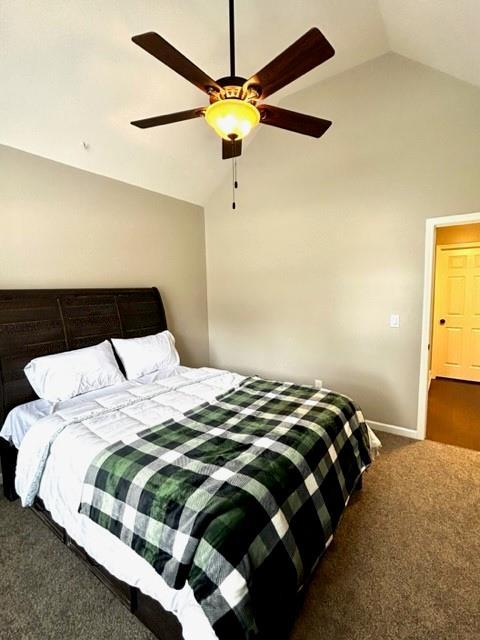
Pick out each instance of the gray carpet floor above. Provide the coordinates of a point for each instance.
(404, 565)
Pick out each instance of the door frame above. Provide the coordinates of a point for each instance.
(431, 225)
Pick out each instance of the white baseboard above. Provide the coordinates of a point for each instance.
(396, 431)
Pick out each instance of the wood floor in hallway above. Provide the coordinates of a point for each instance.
(454, 412)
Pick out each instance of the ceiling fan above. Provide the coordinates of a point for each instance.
(236, 105)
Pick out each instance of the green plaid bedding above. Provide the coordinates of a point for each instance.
(239, 498)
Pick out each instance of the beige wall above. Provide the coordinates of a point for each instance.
(328, 237)
(63, 227)
(458, 233)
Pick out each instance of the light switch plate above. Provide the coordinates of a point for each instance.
(318, 384)
(394, 321)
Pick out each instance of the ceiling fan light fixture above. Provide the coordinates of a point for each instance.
(232, 119)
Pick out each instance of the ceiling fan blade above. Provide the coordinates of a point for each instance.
(302, 56)
(231, 149)
(167, 119)
(293, 121)
(166, 53)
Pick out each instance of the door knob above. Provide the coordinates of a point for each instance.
(442, 320)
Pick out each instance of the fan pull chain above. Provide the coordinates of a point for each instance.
(234, 182)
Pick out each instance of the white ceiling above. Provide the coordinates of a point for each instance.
(444, 34)
(69, 72)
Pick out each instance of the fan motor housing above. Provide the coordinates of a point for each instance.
(234, 87)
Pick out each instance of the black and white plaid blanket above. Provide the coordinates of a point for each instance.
(239, 498)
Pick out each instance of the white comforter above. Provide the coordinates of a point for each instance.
(55, 454)
(57, 450)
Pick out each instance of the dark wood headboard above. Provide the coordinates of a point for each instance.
(40, 322)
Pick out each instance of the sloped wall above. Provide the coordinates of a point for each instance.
(64, 227)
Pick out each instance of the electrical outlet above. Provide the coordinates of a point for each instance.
(318, 384)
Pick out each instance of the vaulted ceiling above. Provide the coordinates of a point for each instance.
(69, 73)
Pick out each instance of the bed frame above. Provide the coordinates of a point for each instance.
(41, 322)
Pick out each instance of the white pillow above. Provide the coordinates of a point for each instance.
(146, 355)
(70, 373)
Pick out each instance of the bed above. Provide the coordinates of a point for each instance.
(34, 323)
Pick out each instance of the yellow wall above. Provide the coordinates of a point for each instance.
(63, 227)
(458, 234)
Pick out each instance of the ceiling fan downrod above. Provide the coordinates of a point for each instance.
(231, 11)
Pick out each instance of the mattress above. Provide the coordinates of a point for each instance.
(20, 419)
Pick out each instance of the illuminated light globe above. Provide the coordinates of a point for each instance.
(232, 119)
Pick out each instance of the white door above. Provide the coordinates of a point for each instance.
(456, 328)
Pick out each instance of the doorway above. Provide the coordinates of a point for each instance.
(453, 401)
